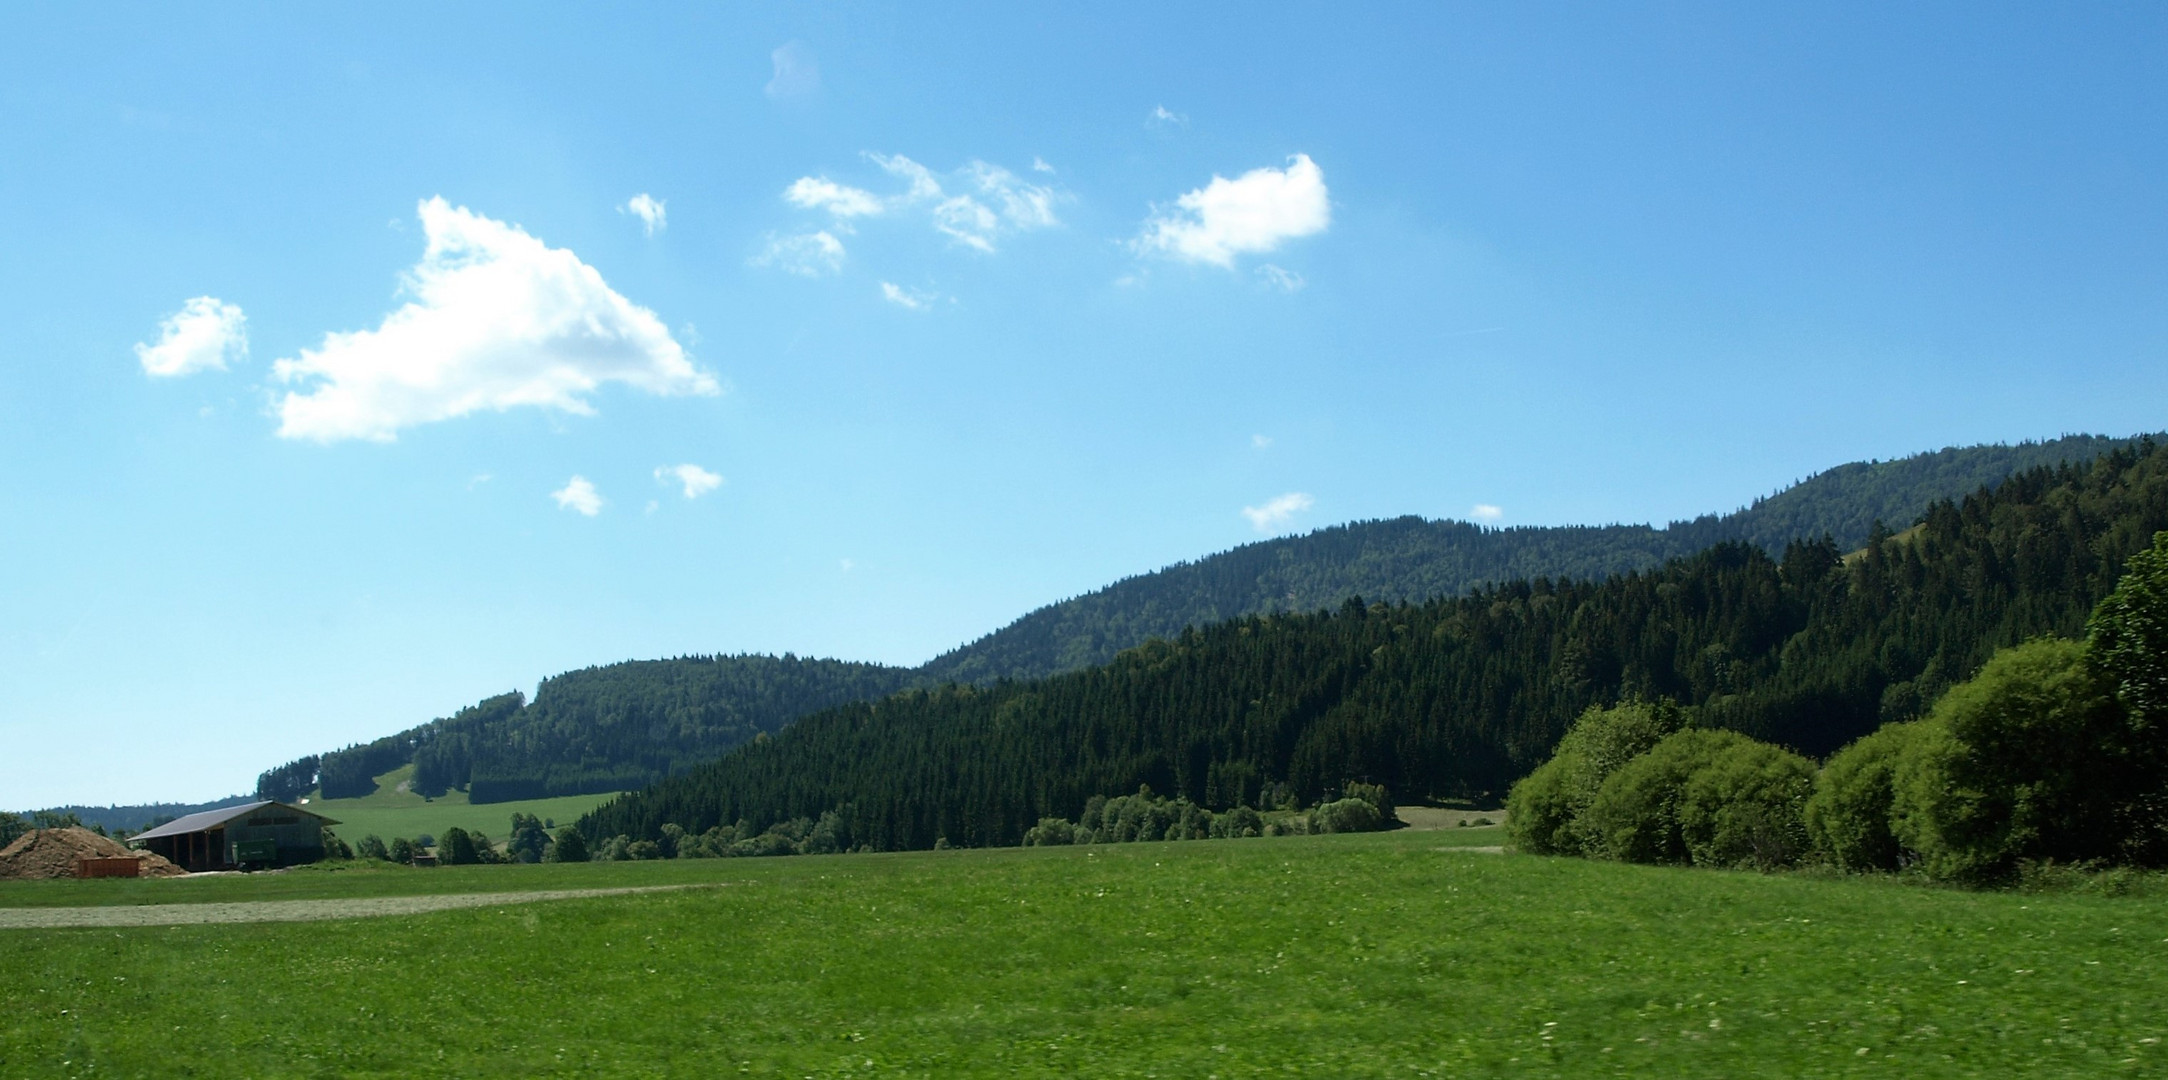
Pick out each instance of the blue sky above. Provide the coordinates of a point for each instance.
(352, 363)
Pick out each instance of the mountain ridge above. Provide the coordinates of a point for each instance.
(1396, 559)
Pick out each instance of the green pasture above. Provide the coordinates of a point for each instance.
(388, 811)
(1395, 954)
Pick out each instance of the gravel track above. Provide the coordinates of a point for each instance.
(255, 911)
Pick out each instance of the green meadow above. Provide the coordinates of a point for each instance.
(1412, 953)
(390, 811)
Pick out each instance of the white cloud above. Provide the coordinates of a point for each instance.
(649, 209)
(820, 193)
(1280, 278)
(1162, 117)
(796, 74)
(909, 298)
(1251, 214)
(976, 205)
(696, 480)
(806, 255)
(1260, 441)
(199, 337)
(1486, 512)
(923, 184)
(578, 496)
(1277, 511)
(496, 320)
(1038, 164)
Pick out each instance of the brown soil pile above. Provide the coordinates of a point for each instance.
(51, 853)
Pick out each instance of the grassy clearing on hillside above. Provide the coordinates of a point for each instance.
(1366, 955)
(388, 811)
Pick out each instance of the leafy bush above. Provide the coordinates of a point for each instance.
(1746, 807)
(2128, 635)
(401, 850)
(570, 846)
(372, 847)
(334, 847)
(1544, 809)
(1050, 832)
(2024, 761)
(1238, 823)
(456, 848)
(1375, 795)
(1711, 798)
(1348, 815)
(1848, 817)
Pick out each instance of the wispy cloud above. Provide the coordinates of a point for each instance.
(199, 337)
(811, 254)
(1260, 442)
(977, 206)
(695, 480)
(497, 320)
(650, 211)
(821, 193)
(1280, 278)
(1162, 118)
(1485, 512)
(1038, 164)
(1251, 214)
(578, 496)
(1277, 511)
(796, 72)
(907, 298)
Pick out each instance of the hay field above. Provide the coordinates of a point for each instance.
(389, 811)
(1397, 954)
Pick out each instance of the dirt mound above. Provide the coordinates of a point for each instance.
(51, 853)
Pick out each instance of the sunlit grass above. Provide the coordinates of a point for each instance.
(1377, 955)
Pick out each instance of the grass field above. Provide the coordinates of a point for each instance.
(389, 812)
(1391, 954)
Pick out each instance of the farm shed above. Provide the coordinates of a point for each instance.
(252, 834)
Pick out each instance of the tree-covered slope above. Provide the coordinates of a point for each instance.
(1455, 696)
(1415, 559)
(607, 728)
(624, 725)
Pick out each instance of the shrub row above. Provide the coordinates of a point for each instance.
(2055, 752)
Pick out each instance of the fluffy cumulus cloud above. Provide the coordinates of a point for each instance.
(199, 337)
(494, 320)
(1485, 512)
(1249, 215)
(1277, 511)
(976, 206)
(812, 254)
(579, 496)
(695, 480)
(649, 210)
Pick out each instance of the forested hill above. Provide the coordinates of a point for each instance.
(621, 726)
(1414, 559)
(1454, 696)
(606, 728)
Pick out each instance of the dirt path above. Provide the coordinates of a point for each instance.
(292, 910)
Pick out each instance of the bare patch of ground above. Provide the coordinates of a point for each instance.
(254, 911)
